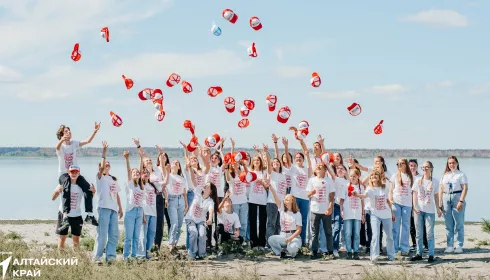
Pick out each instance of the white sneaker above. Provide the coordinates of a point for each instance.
(336, 253)
(459, 250)
(449, 250)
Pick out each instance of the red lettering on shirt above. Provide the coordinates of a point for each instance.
(404, 189)
(68, 160)
(287, 222)
(137, 198)
(197, 211)
(238, 187)
(288, 180)
(301, 181)
(228, 226)
(354, 202)
(282, 187)
(214, 178)
(73, 200)
(200, 180)
(321, 193)
(258, 187)
(177, 187)
(150, 197)
(380, 202)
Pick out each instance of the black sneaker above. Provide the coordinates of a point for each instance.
(91, 219)
(283, 255)
(416, 258)
(314, 255)
(64, 224)
(356, 256)
(368, 250)
(431, 259)
(349, 255)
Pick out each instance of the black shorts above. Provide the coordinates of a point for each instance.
(76, 224)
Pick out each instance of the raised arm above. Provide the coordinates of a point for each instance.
(63, 139)
(268, 159)
(141, 153)
(285, 142)
(227, 172)
(222, 204)
(91, 137)
(128, 167)
(206, 158)
(276, 147)
(232, 145)
(102, 161)
(307, 155)
(322, 143)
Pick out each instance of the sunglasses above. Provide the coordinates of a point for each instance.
(426, 167)
(400, 163)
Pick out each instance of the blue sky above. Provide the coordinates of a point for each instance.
(423, 67)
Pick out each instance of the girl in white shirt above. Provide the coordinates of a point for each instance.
(228, 222)
(321, 192)
(381, 212)
(352, 213)
(175, 200)
(203, 203)
(134, 210)
(150, 212)
(257, 202)
(286, 158)
(425, 198)
(453, 190)
(401, 198)
(238, 195)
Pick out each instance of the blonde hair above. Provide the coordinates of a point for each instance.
(406, 171)
(381, 172)
(376, 173)
(294, 206)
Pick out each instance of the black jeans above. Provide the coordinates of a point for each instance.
(252, 217)
(367, 233)
(413, 232)
(224, 236)
(65, 181)
(209, 229)
(161, 213)
(315, 230)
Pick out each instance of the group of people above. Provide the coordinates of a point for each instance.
(278, 203)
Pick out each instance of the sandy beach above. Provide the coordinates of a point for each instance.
(475, 261)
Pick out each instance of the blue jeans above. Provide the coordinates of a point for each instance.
(304, 209)
(388, 229)
(132, 226)
(107, 234)
(147, 237)
(402, 240)
(453, 218)
(242, 211)
(352, 228)
(429, 226)
(176, 207)
(197, 242)
(190, 198)
(337, 226)
(322, 238)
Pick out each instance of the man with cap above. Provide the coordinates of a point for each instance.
(66, 150)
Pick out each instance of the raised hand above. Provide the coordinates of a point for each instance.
(136, 141)
(284, 141)
(274, 138)
(265, 147)
(97, 126)
(232, 142)
(126, 154)
(183, 144)
(159, 149)
(320, 139)
(256, 148)
(104, 145)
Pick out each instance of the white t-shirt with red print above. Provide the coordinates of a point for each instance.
(229, 221)
(67, 155)
(299, 180)
(258, 195)
(134, 196)
(176, 185)
(76, 195)
(320, 201)
(352, 204)
(150, 201)
(199, 207)
(287, 174)
(156, 178)
(215, 176)
(379, 205)
(107, 190)
(425, 191)
(402, 194)
(238, 191)
(279, 183)
(198, 175)
(289, 220)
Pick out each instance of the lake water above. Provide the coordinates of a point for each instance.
(27, 184)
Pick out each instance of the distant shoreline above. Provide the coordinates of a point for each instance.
(178, 152)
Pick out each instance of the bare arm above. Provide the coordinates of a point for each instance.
(227, 173)
(286, 151)
(232, 145)
(392, 186)
(63, 139)
(91, 137)
(128, 167)
(276, 148)
(102, 162)
(308, 161)
(57, 192)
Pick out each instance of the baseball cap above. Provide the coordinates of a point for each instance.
(74, 168)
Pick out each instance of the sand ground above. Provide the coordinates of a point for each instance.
(475, 261)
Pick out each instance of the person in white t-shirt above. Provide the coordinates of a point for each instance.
(238, 195)
(228, 222)
(381, 212)
(66, 150)
(414, 166)
(352, 213)
(134, 209)
(321, 192)
(75, 215)
(147, 236)
(453, 189)
(257, 201)
(401, 198)
(204, 201)
(175, 201)
(425, 199)
(289, 240)
(286, 158)
(109, 209)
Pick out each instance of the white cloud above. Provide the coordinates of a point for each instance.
(389, 89)
(480, 89)
(304, 48)
(336, 95)
(8, 75)
(73, 80)
(35, 29)
(438, 18)
(293, 72)
(443, 84)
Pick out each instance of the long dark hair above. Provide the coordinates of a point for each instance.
(280, 164)
(219, 158)
(113, 177)
(383, 164)
(447, 164)
(213, 194)
(149, 182)
(167, 161)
